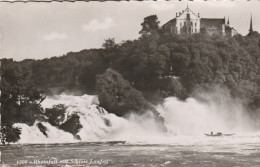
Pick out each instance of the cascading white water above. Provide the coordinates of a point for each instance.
(182, 119)
(32, 134)
(193, 117)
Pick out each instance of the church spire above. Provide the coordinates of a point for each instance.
(228, 21)
(251, 25)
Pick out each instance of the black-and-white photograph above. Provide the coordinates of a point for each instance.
(130, 83)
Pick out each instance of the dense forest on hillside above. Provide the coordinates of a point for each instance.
(132, 74)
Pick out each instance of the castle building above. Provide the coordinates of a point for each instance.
(188, 22)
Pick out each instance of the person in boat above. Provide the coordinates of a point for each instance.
(219, 133)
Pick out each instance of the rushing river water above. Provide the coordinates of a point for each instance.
(175, 140)
(124, 154)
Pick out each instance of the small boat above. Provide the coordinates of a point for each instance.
(213, 135)
(116, 142)
(219, 134)
(231, 134)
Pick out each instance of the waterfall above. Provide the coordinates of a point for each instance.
(182, 119)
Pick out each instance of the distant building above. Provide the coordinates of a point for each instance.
(251, 26)
(251, 31)
(188, 22)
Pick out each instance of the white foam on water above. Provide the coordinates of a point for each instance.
(32, 134)
(194, 117)
(185, 121)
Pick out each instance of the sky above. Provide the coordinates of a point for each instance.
(43, 30)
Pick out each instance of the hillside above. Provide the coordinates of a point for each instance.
(190, 62)
(133, 75)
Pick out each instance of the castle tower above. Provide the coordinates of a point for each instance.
(251, 25)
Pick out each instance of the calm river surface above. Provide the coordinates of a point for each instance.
(124, 154)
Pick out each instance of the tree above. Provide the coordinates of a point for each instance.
(149, 24)
(110, 44)
(253, 33)
(175, 88)
(110, 51)
(156, 65)
(9, 133)
(18, 95)
(20, 100)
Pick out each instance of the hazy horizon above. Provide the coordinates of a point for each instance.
(44, 30)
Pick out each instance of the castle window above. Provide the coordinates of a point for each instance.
(195, 24)
(184, 23)
(180, 24)
(191, 23)
(195, 30)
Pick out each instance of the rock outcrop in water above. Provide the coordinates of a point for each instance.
(42, 128)
(72, 124)
(58, 116)
(117, 95)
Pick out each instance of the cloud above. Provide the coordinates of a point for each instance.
(54, 36)
(95, 25)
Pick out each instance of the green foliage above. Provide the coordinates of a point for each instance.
(9, 133)
(256, 101)
(56, 114)
(72, 125)
(18, 94)
(109, 44)
(110, 53)
(29, 112)
(149, 24)
(172, 87)
(20, 99)
(117, 95)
